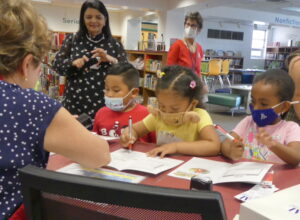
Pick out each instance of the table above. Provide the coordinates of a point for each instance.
(242, 72)
(284, 176)
(245, 91)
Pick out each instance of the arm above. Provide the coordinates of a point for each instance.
(63, 63)
(288, 153)
(173, 54)
(233, 149)
(66, 136)
(208, 145)
(294, 72)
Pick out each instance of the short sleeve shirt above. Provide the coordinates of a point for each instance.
(24, 117)
(186, 132)
(284, 132)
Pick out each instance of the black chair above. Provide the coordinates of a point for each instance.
(53, 195)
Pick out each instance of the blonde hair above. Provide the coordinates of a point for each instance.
(22, 31)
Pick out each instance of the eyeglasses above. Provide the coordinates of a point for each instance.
(194, 26)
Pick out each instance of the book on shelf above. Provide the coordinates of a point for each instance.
(222, 172)
(124, 159)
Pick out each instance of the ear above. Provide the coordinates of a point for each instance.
(193, 104)
(25, 66)
(285, 107)
(135, 92)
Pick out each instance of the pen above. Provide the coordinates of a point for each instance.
(130, 132)
(226, 133)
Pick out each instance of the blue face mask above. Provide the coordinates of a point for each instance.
(264, 117)
(117, 104)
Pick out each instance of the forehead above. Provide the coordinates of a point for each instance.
(113, 80)
(92, 11)
(264, 90)
(169, 97)
(191, 21)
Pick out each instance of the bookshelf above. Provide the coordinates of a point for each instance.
(148, 63)
(276, 56)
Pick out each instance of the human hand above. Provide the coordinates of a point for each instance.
(236, 149)
(163, 150)
(264, 138)
(104, 56)
(79, 63)
(125, 139)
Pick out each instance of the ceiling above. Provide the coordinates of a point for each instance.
(275, 6)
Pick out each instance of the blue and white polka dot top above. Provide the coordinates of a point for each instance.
(24, 117)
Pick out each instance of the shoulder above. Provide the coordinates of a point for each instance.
(202, 112)
(290, 125)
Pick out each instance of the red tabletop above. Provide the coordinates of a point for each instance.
(284, 176)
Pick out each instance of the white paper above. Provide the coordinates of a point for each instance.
(124, 159)
(102, 173)
(221, 172)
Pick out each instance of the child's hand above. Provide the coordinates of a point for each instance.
(264, 138)
(236, 149)
(125, 138)
(163, 150)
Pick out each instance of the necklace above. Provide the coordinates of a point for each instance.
(94, 41)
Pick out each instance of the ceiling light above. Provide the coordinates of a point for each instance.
(43, 1)
(292, 9)
(259, 23)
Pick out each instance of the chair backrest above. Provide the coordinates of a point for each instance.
(226, 66)
(214, 67)
(53, 195)
(204, 66)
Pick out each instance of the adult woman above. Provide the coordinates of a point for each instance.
(293, 63)
(187, 52)
(32, 124)
(85, 81)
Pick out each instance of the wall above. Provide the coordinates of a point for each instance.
(66, 19)
(283, 34)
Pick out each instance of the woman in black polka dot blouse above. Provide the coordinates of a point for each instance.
(85, 57)
(32, 124)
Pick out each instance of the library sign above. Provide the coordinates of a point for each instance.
(70, 21)
(287, 21)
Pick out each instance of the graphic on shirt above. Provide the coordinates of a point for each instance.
(165, 137)
(113, 132)
(255, 150)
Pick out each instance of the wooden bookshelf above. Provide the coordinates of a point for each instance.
(276, 56)
(152, 62)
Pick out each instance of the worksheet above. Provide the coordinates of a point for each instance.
(222, 172)
(124, 159)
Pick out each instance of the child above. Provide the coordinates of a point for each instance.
(266, 136)
(180, 126)
(121, 89)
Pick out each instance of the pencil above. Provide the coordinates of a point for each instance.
(130, 132)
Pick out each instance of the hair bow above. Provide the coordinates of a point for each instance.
(193, 84)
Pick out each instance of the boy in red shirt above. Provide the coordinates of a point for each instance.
(121, 89)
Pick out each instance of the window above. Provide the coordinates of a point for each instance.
(259, 38)
(224, 34)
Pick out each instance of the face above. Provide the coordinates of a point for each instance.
(171, 102)
(265, 96)
(192, 23)
(116, 88)
(94, 21)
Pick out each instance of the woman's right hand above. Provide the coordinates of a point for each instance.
(79, 63)
(125, 139)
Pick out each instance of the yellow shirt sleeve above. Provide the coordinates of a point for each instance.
(150, 122)
(205, 119)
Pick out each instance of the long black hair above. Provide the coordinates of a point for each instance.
(98, 5)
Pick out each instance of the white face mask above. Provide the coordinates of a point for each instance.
(190, 32)
(117, 104)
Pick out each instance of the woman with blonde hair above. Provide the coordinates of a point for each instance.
(32, 124)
